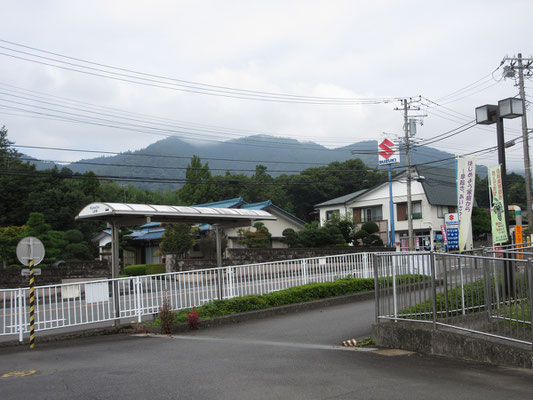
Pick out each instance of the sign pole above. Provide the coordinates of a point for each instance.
(391, 209)
(30, 252)
(32, 307)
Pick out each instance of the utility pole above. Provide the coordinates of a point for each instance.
(410, 238)
(527, 163)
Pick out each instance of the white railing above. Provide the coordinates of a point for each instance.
(83, 303)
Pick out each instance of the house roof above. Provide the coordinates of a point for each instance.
(268, 205)
(342, 199)
(154, 235)
(439, 186)
(230, 203)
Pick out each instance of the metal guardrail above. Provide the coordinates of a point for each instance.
(488, 295)
(84, 303)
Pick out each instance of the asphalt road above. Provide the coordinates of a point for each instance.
(291, 356)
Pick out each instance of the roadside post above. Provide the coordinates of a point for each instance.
(30, 252)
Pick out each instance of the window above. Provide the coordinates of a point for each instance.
(365, 214)
(401, 210)
(331, 213)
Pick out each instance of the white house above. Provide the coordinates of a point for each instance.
(284, 220)
(433, 195)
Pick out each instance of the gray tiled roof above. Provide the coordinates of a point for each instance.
(439, 185)
(343, 199)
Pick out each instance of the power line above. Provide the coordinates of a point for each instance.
(176, 84)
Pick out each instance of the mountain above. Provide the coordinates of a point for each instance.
(168, 158)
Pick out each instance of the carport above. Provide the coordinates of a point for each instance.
(119, 215)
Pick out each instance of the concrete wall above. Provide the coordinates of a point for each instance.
(253, 256)
(452, 343)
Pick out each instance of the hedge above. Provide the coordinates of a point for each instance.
(144, 269)
(298, 294)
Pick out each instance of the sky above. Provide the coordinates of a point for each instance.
(448, 52)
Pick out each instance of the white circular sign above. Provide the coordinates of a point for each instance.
(30, 248)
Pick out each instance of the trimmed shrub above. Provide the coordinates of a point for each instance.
(134, 270)
(152, 269)
(144, 269)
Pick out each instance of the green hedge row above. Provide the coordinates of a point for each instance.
(299, 294)
(144, 269)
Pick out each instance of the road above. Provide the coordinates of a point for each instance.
(292, 356)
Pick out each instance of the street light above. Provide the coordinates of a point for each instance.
(490, 114)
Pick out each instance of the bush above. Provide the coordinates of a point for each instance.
(166, 316)
(134, 270)
(144, 269)
(152, 269)
(299, 294)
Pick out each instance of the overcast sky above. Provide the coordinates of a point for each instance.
(334, 49)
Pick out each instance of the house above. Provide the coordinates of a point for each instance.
(144, 239)
(284, 220)
(433, 195)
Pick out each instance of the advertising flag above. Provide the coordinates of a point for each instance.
(497, 210)
(466, 179)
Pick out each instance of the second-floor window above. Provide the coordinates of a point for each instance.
(401, 211)
(365, 214)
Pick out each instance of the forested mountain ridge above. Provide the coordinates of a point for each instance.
(168, 158)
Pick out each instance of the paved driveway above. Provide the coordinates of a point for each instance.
(287, 357)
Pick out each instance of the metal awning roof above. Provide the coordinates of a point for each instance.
(125, 214)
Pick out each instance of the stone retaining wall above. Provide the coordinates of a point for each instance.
(12, 278)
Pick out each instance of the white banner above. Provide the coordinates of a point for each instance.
(466, 179)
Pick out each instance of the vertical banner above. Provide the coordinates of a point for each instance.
(466, 179)
(497, 210)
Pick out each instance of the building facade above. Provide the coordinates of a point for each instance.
(433, 196)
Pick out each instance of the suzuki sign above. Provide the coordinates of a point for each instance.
(388, 152)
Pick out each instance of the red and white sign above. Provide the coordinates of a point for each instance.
(388, 152)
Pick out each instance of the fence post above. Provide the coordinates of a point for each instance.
(229, 278)
(488, 287)
(434, 288)
(394, 290)
(20, 315)
(138, 293)
(530, 272)
(304, 271)
(376, 285)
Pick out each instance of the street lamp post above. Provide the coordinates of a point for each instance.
(491, 114)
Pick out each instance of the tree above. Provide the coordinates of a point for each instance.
(9, 238)
(290, 237)
(367, 235)
(314, 235)
(259, 239)
(481, 224)
(198, 187)
(177, 239)
(345, 225)
(52, 240)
